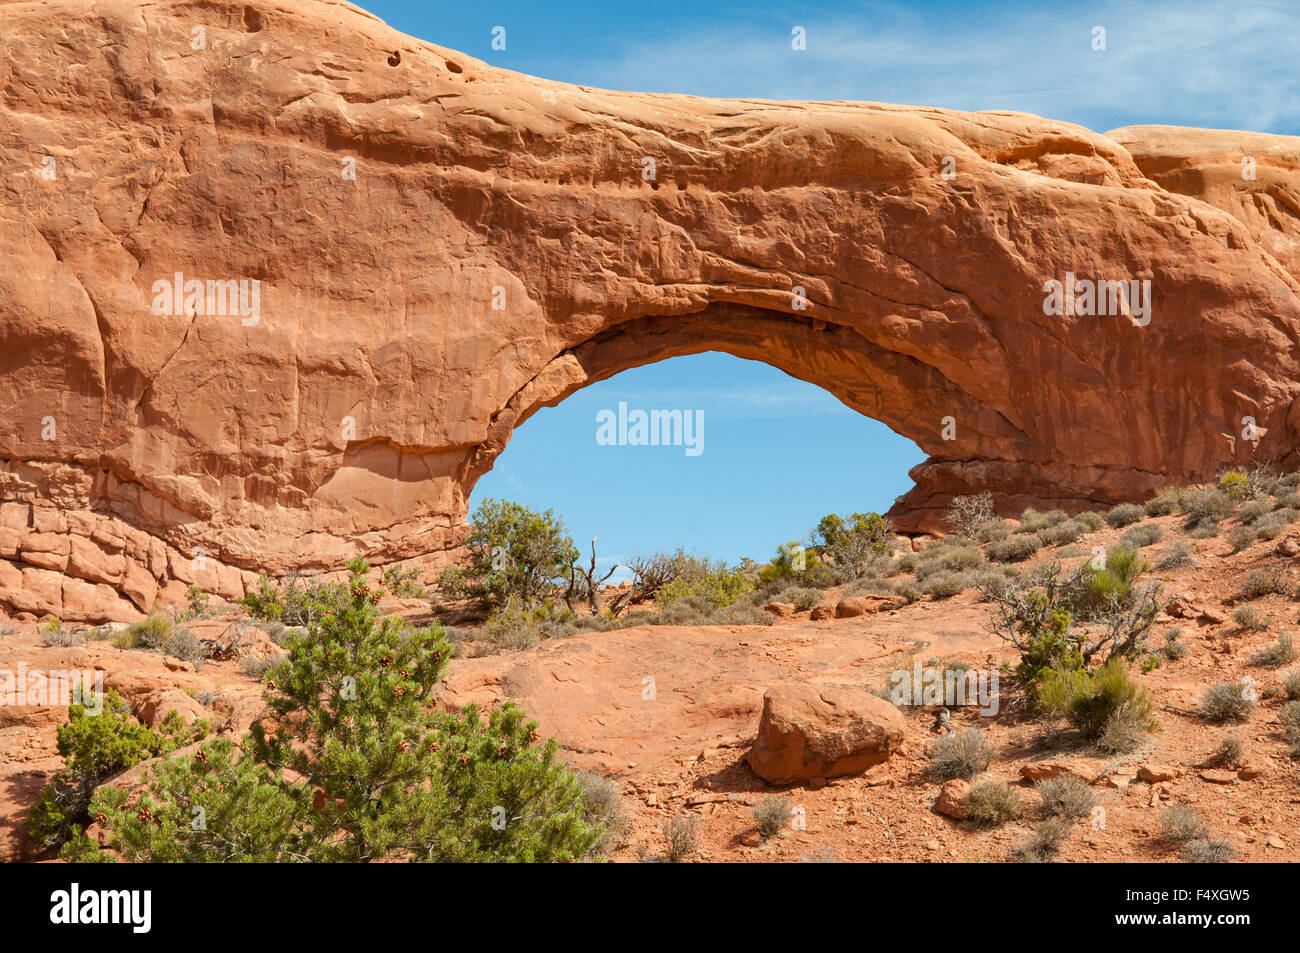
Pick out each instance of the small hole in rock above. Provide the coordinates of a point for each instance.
(395, 58)
(252, 20)
(455, 67)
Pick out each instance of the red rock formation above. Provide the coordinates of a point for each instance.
(377, 382)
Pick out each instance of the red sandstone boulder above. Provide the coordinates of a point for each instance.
(854, 606)
(952, 799)
(812, 731)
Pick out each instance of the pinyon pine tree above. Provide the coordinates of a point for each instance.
(359, 766)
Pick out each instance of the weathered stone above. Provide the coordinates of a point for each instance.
(952, 799)
(389, 377)
(854, 606)
(811, 731)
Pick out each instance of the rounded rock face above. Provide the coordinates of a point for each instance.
(283, 295)
(819, 731)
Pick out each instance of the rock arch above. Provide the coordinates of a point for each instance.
(384, 208)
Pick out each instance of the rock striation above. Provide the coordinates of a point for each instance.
(279, 282)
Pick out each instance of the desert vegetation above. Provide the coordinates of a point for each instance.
(1084, 613)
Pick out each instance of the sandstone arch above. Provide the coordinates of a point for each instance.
(197, 435)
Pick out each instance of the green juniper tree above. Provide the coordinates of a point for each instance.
(514, 553)
(359, 765)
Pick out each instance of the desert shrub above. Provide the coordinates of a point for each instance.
(793, 563)
(802, 598)
(1288, 500)
(1181, 823)
(404, 779)
(292, 601)
(1125, 731)
(1066, 796)
(515, 626)
(257, 667)
(870, 585)
(961, 754)
(991, 803)
(602, 807)
(995, 529)
(1013, 549)
(1251, 619)
(403, 581)
(1062, 533)
(772, 815)
(969, 514)
(1104, 700)
(945, 585)
(1251, 510)
(715, 583)
(1288, 717)
(1124, 514)
(1175, 557)
(856, 545)
(1227, 701)
(1035, 613)
(1208, 850)
(1138, 537)
(160, 633)
(1091, 520)
(1263, 582)
(1278, 654)
(198, 602)
(1043, 842)
(513, 552)
(739, 613)
(679, 835)
(1233, 484)
(1206, 529)
(909, 592)
(97, 742)
(54, 634)
(181, 643)
(1228, 753)
(991, 583)
(153, 630)
(1032, 521)
(1164, 503)
(947, 559)
(1204, 508)
(1291, 683)
(1097, 591)
(1240, 537)
(1174, 649)
(1272, 526)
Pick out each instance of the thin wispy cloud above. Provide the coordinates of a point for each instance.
(1219, 64)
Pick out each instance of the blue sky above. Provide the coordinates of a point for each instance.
(780, 453)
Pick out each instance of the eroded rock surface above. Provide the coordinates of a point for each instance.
(442, 248)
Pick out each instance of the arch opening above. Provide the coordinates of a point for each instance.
(752, 458)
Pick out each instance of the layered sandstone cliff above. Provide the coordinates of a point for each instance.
(441, 247)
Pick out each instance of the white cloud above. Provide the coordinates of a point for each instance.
(1222, 64)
